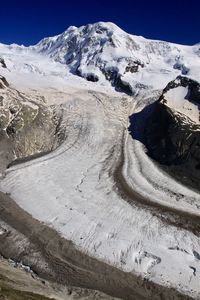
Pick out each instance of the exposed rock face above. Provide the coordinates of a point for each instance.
(3, 83)
(116, 80)
(27, 126)
(133, 66)
(173, 130)
(2, 63)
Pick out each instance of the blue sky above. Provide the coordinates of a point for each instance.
(26, 22)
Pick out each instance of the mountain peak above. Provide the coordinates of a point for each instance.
(98, 26)
(104, 52)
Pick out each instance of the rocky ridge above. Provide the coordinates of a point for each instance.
(27, 125)
(173, 130)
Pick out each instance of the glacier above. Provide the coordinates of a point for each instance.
(99, 188)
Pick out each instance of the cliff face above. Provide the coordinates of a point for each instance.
(27, 126)
(2, 63)
(173, 130)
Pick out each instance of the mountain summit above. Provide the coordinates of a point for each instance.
(104, 52)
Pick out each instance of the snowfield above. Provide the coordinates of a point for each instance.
(76, 189)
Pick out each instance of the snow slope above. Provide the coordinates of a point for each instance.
(100, 48)
(29, 70)
(175, 98)
(74, 189)
(103, 52)
(183, 98)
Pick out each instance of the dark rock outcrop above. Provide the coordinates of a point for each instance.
(2, 63)
(173, 139)
(3, 82)
(133, 66)
(112, 75)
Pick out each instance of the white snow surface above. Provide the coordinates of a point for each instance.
(99, 47)
(71, 189)
(28, 70)
(176, 99)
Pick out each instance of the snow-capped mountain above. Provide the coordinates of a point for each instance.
(102, 51)
(105, 54)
